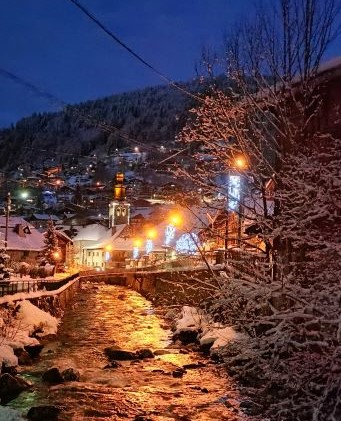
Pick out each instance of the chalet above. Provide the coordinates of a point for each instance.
(24, 242)
(40, 220)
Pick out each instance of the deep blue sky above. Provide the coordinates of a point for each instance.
(54, 46)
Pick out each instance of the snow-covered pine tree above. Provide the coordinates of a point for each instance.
(51, 250)
(5, 271)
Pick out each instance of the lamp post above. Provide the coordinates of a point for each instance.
(234, 199)
(151, 234)
(137, 243)
(240, 164)
(7, 210)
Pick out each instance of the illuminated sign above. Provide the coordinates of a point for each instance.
(135, 252)
(149, 246)
(234, 192)
(169, 234)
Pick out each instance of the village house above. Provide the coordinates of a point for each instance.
(24, 241)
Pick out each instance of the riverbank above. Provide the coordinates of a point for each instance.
(176, 383)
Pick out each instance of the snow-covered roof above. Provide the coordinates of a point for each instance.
(21, 234)
(104, 241)
(92, 232)
(193, 221)
(145, 212)
(45, 217)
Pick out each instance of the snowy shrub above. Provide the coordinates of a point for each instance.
(34, 272)
(23, 269)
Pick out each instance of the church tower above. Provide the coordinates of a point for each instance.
(119, 209)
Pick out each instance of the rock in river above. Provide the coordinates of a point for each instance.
(46, 413)
(116, 353)
(11, 386)
(53, 376)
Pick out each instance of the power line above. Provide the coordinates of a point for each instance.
(114, 37)
(55, 101)
(86, 117)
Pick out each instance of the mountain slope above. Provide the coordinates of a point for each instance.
(152, 116)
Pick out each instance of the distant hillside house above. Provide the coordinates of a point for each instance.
(40, 220)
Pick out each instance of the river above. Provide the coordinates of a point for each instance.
(102, 316)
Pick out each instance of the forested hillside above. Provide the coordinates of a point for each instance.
(152, 115)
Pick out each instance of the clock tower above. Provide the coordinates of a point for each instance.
(119, 209)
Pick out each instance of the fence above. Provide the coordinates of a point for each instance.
(32, 285)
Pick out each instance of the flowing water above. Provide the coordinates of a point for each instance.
(102, 316)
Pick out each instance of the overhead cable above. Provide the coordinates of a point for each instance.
(108, 128)
(114, 37)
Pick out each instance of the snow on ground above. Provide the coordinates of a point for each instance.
(31, 317)
(7, 356)
(17, 334)
(220, 336)
(8, 414)
(191, 319)
(216, 334)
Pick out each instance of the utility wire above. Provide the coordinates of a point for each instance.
(91, 16)
(108, 128)
(55, 101)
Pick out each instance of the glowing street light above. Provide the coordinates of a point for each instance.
(240, 162)
(56, 255)
(151, 234)
(24, 195)
(175, 220)
(137, 243)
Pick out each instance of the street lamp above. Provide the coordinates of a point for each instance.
(7, 211)
(24, 195)
(137, 243)
(240, 164)
(151, 234)
(175, 220)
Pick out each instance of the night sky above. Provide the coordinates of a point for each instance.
(51, 44)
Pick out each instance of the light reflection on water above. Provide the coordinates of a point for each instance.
(107, 315)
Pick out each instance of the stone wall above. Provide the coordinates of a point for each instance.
(56, 303)
(178, 287)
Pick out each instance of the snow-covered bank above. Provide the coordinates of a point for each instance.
(208, 333)
(8, 414)
(17, 323)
